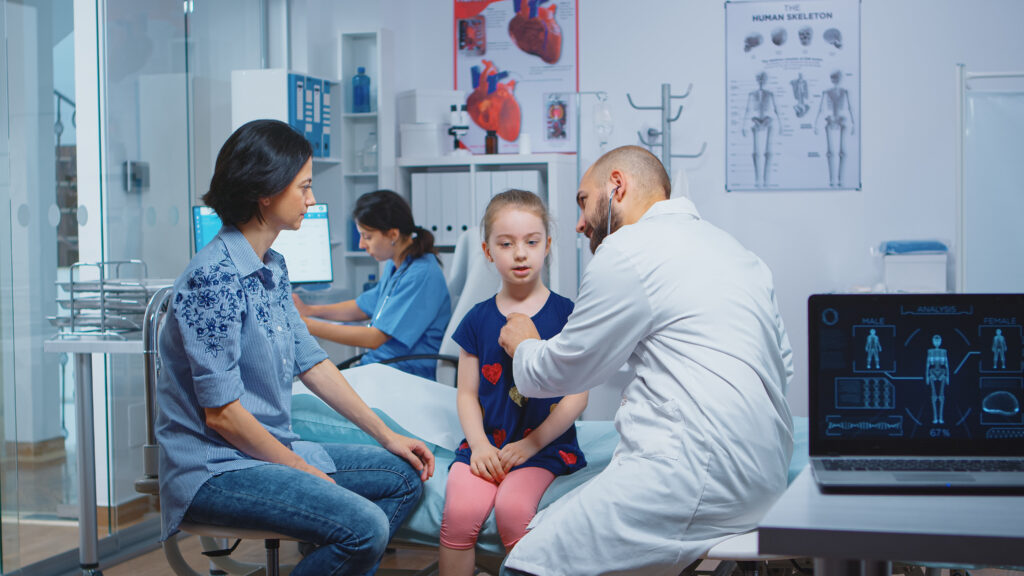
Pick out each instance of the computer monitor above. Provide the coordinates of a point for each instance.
(307, 251)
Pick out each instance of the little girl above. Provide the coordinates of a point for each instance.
(514, 446)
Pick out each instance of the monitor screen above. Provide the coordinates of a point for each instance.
(916, 373)
(307, 251)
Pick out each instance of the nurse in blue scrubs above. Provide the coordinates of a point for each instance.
(409, 308)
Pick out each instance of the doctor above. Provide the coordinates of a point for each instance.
(409, 308)
(706, 433)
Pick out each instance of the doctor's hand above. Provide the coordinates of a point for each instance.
(485, 462)
(515, 453)
(518, 327)
(414, 451)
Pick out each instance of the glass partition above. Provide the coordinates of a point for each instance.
(163, 80)
(36, 181)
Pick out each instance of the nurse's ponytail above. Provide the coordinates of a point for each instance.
(422, 243)
(384, 210)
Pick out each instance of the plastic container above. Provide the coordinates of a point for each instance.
(360, 91)
(424, 140)
(369, 153)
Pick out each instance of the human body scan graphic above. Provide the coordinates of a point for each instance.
(760, 112)
(800, 95)
(999, 350)
(873, 346)
(835, 104)
(936, 375)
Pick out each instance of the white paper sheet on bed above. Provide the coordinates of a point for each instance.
(414, 402)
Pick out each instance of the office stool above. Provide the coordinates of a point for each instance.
(221, 557)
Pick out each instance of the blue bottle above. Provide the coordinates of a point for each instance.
(371, 283)
(361, 91)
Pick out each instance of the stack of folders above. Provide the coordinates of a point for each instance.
(449, 203)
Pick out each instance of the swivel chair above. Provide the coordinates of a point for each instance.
(150, 484)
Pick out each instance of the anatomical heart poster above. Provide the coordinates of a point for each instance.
(516, 61)
(793, 95)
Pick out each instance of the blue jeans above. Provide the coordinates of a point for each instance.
(350, 522)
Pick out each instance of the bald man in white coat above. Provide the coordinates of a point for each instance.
(705, 431)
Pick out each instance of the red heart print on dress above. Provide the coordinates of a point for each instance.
(499, 437)
(492, 372)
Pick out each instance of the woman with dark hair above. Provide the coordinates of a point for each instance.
(409, 308)
(230, 347)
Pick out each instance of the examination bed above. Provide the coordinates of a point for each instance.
(426, 410)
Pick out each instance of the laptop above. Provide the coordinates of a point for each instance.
(916, 392)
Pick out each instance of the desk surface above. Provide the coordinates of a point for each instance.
(974, 530)
(88, 344)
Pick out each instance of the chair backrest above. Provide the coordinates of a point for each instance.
(471, 279)
(152, 322)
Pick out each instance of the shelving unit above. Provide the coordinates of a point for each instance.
(558, 183)
(373, 51)
(273, 87)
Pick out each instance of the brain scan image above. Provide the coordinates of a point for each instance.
(833, 37)
(1002, 403)
(752, 41)
(779, 36)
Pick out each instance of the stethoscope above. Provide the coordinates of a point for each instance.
(390, 288)
(610, 196)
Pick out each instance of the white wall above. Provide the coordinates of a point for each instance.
(813, 241)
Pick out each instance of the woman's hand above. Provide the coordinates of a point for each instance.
(301, 306)
(515, 453)
(485, 462)
(305, 467)
(414, 451)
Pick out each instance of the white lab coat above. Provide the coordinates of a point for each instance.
(706, 432)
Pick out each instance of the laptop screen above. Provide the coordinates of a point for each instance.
(306, 251)
(916, 374)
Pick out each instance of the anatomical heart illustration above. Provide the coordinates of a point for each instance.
(492, 104)
(535, 30)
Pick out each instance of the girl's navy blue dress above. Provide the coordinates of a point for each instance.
(508, 416)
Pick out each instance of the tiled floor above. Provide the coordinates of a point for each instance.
(155, 564)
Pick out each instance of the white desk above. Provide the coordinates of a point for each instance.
(83, 347)
(840, 529)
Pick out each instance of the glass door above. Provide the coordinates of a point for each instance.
(145, 194)
(37, 223)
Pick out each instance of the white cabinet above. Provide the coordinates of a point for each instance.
(310, 105)
(449, 194)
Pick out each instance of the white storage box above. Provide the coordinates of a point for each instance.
(915, 272)
(427, 106)
(423, 140)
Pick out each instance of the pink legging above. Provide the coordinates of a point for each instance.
(469, 498)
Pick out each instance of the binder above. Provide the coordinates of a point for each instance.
(499, 182)
(297, 102)
(449, 213)
(463, 204)
(529, 180)
(325, 119)
(481, 195)
(419, 199)
(314, 91)
(434, 200)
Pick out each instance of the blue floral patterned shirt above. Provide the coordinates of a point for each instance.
(233, 333)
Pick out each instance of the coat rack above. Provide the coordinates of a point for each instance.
(666, 126)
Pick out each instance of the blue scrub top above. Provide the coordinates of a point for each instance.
(411, 305)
